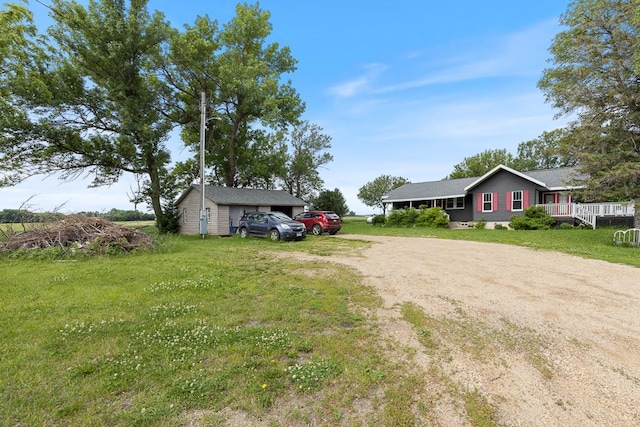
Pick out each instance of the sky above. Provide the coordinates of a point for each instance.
(406, 88)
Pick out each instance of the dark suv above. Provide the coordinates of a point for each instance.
(319, 222)
(276, 225)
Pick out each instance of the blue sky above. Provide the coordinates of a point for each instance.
(406, 88)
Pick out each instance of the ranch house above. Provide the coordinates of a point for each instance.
(504, 192)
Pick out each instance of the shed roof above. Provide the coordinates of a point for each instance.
(246, 196)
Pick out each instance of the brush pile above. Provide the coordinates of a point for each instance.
(78, 233)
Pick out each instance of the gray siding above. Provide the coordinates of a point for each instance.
(500, 184)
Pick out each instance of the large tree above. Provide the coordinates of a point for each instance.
(246, 97)
(330, 200)
(553, 149)
(594, 75)
(307, 153)
(482, 163)
(98, 115)
(372, 192)
(22, 58)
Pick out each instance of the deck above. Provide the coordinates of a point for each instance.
(590, 212)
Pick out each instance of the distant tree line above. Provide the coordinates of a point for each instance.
(23, 216)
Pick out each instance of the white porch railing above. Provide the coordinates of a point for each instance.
(589, 212)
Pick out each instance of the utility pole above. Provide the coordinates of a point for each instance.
(203, 123)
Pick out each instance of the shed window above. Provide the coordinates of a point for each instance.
(208, 215)
(184, 215)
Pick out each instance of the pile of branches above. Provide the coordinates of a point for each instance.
(78, 233)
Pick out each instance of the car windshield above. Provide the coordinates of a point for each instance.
(279, 216)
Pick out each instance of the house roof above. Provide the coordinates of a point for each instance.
(429, 190)
(246, 196)
(551, 179)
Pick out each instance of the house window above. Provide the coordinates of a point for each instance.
(516, 200)
(208, 215)
(184, 215)
(455, 203)
(487, 202)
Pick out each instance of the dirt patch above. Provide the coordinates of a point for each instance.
(561, 334)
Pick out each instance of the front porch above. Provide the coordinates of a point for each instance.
(589, 212)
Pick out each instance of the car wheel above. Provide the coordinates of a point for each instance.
(274, 234)
(244, 233)
(316, 230)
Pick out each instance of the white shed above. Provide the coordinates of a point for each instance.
(226, 205)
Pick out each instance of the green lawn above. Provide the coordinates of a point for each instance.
(201, 329)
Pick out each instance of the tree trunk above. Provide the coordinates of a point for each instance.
(636, 216)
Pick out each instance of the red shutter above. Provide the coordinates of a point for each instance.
(495, 206)
(507, 201)
(479, 207)
(525, 199)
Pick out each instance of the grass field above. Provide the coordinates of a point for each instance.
(201, 330)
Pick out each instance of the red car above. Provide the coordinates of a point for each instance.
(318, 222)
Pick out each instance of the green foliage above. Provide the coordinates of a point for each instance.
(246, 101)
(480, 224)
(423, 217)
(371, 193)
(379, 219)
(22, 216)
(535, 218)
(169, 223)
(307, 153)
(329, 200)
(481, 163)
(593, 76)
(550, 150)
(500, 227)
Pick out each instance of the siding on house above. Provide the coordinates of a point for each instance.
(499, 183)
(500, 186)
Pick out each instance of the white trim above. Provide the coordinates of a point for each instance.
(453, 196)
(487, 201)
(521, 200)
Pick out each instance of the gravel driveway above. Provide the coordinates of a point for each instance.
(582, 318)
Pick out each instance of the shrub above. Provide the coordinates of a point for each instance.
(566, 226)
(480, 224)
(423, 217)
(535, 218)
(433, 218)
(395, 218)
(379, 219)
(500, 227)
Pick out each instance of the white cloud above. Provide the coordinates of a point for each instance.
(359, 84)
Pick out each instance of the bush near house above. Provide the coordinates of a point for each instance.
(422, 217)
(379, 220)
(535, 218)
